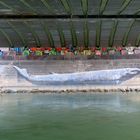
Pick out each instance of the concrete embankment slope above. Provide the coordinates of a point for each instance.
(10, 81)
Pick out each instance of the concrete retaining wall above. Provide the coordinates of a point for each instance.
(10, 78)
(61, 66)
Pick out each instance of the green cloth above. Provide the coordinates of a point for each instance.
(38, 53)
(52, 52)
(26, 53)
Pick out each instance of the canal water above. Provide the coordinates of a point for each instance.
(70, 117)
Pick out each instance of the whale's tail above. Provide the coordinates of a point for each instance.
(22, 72)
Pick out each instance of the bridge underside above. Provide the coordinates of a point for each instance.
(100, 23)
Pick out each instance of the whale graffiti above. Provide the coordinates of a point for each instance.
(98, 77)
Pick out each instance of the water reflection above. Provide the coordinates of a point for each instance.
(113, 102)
(61, 117)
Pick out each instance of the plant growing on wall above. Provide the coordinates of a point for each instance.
(50, 9)
(35, 36)
(98, 32)
(86, 34)
(124, 5)
(125, 38)
(103, 5)
(29, 6)
(73, 35)
(49, 35)
(84, 4)
(61, 36)
(137, 43)
(9, 7)
(11, 44)
(24, 42)
(66, 5)
(112, 33)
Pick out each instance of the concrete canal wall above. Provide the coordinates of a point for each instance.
(10, 79)
(62, 66)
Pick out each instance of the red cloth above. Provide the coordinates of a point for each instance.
(119, 48)
(42, 49)
(104, 49)
(124, 52)
(48, 48)
(59, 49)
(67, 49)
(98, 52)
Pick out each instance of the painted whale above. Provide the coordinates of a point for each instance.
(100, 77)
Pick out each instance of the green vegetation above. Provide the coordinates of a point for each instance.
(98, 32)
(61, 36)
(73, 35)
(86, 34)
(112, 33)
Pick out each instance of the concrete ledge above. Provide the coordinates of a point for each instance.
(69, 89)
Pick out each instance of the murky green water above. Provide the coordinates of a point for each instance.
(70, 117)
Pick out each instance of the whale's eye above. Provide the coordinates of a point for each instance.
(133, 72)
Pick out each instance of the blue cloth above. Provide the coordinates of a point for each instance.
(18, 50)
(1, 54)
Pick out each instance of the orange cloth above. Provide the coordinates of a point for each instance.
(33, 49)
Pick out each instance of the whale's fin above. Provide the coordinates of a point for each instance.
(22, 72)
